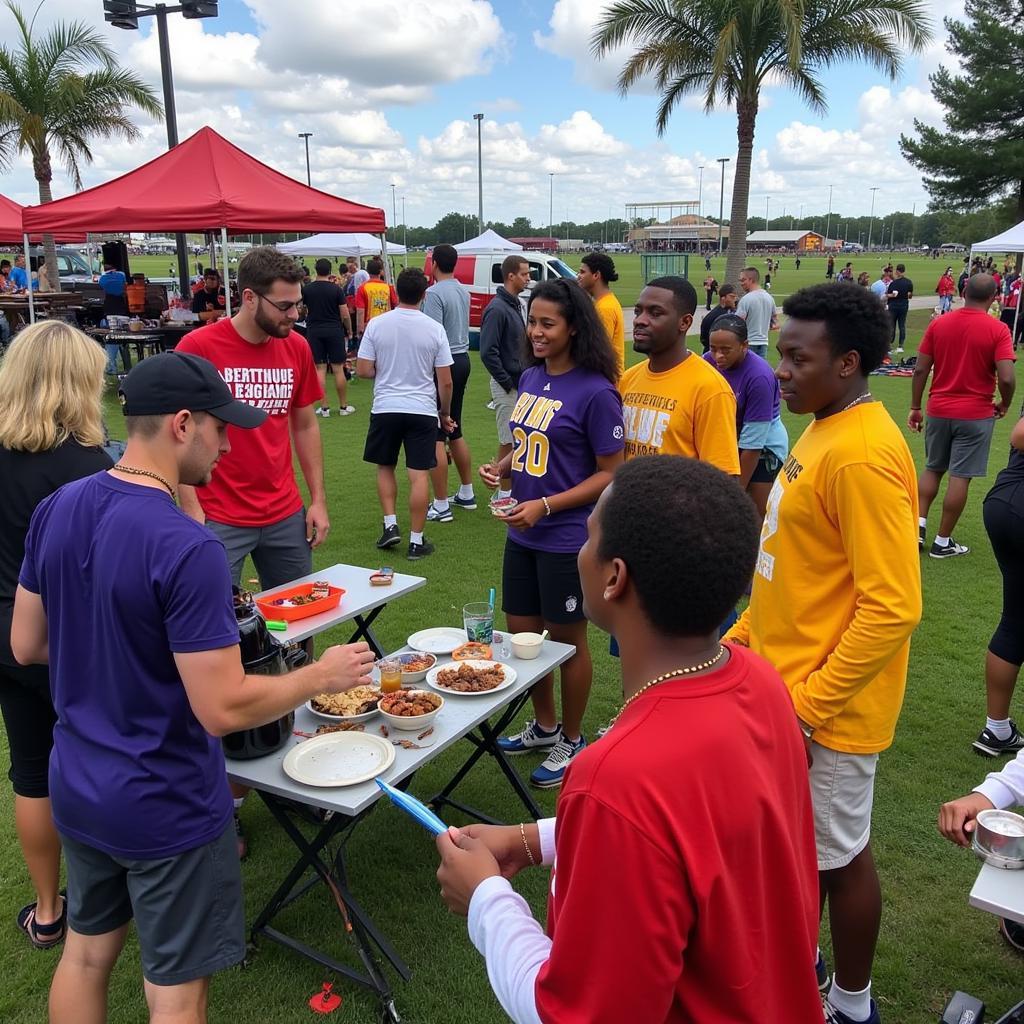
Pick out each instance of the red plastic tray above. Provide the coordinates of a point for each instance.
(303, 611)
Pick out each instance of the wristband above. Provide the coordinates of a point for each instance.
(915, 408)
(547, 507)
(529, 852)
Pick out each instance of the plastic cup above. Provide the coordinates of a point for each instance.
(390, 670)
(478, 618)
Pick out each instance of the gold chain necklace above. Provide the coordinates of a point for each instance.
(121, 468)
(860, 398)
(671, 675)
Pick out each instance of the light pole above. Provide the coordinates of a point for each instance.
(305, 136)
(405, 229)
(913, 220)
(723, 160)
(394, 208)
(766, 198)
(479, 118)
(125, 15)
(828, 219)
(871, 221)
(551, 203)
(700, 191)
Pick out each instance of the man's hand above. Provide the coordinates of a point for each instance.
(448, 425)
(999, 410)
(528, 514)
(489, 474)
(346, 666)
(505, 843)
(465, 863)
(956, 819)
(915, 420)
(318, 525)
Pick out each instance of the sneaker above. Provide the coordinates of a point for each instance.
(435, 515)
(390, 537)
(469, 504)
(991, 745)
(347, 411)
(899, 351)
(323, 412)
(821, 971)
(922, 536)
(533, 737)
(1013, 933)
(490, 404)
(834, 1016)
(552, 770)
(417, 551)
(951, 550)
(240, 841)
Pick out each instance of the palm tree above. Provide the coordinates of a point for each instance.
(727, 50)
(57, 92)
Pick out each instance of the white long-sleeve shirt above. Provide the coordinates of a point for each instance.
(1005, 788)
(513, 943)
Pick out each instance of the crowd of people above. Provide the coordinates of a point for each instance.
(644, 499)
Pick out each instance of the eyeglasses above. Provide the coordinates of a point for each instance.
(281, 307)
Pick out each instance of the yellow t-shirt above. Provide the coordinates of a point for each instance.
(688, 410)
(609, 311)
(837, 590)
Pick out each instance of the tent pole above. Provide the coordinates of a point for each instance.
(389, 274)
(227, 272)
(28, 270)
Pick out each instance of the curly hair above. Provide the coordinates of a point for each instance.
(688, 535)
(855, 321)
(589, 345)
(601, 263)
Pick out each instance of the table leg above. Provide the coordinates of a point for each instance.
(126, 356)
(487, 743)
(364, 632)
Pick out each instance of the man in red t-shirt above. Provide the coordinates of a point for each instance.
(970, 352)
(686, 881)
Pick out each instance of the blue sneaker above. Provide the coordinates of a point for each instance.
(467, 503)
(533, 737)
(821, 970)
(552, 771)
(834, 1016)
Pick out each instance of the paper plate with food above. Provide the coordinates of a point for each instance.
(471, 678)
(355, 705)
(474, 650)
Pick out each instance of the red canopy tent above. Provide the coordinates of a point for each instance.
(10, 225)
(204, 184)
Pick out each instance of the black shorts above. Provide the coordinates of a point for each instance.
(327, 345)
(391, 431)
(767, 468)
(544, 583)
(460, 378)
(29, 719)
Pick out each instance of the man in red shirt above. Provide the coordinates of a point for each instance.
(970, 352)
(687, 893)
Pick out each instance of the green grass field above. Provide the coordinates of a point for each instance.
(932, 942)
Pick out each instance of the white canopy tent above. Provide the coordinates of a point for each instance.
(1011, 240)
(347, 244)
(489, 241)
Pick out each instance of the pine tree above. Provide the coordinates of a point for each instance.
(978, 157)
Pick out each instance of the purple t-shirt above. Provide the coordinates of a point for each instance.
(560, 425)
(756, 389)
(127, 579)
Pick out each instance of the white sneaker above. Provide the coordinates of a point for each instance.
(899, 351)
(347, 411)
(490, 405)
(323, 412)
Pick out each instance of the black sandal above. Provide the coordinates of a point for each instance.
(43, 936)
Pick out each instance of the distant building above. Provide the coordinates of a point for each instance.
(791, 241)
(686, 233)
(536, 243)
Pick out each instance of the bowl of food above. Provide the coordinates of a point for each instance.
(415, 666)
(410, 709)
(355, 705)
(999, 839)
(527, 645)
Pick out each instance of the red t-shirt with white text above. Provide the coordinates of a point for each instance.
(965, 346)
(254, 484)
(686, 877)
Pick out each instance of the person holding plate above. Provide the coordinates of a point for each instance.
(568, 439)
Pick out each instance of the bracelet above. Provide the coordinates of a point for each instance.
(547, 507)
(529, 852)
(915, 408)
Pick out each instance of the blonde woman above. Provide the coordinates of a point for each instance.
(51, 429)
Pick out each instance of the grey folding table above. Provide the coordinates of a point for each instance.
(464, 716)
(1000, 892)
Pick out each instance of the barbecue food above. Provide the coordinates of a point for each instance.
(470, 678)
(357, 701)
(409, 703)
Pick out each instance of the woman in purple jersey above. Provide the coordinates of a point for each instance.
(567, 434)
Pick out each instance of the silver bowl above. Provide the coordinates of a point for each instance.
(999, 839)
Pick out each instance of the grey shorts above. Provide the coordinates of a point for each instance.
(842, 791)
(504, 403)
(961, 446)
(279, 552)
(188, 909)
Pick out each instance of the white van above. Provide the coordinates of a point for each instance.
(480, 274)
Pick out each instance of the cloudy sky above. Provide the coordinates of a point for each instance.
(389, 90)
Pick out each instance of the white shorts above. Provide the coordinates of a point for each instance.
(842, 791)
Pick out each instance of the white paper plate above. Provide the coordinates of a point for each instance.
(510, 678)
(438, 640)
(339, 718)
(339, 759)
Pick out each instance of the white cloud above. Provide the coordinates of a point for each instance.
(395, 43)
(579, 135)
(884, 115)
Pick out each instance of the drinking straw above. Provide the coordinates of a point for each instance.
(490, 599)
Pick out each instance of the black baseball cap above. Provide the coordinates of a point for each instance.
(171, 381)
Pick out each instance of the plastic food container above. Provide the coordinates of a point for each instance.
(527, 645)
(292, 613)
